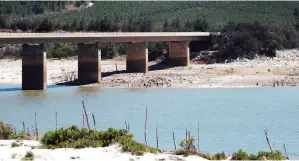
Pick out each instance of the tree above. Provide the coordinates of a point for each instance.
(45, 26)
(296, 15)
(3, 22)
(82, 25)
(176, 25)
(200, 25)
(74, 25)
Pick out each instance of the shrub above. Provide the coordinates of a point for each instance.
(275, 155)
(240, 155)
(217, 156)
(61, 50)
(220, 156)
(28, 156)
(6, 130)
(74, 137)
(188, 147)
(15, 144)
(18, 136)
(13, 52)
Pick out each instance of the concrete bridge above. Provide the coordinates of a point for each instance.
(34, 72)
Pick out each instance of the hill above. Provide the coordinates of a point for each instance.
(249, 28)
(217, 14)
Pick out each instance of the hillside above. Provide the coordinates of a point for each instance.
(217, 14)
(248, 28)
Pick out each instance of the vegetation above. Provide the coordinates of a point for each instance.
(6, 131)
(126, 14)
(242, 155)
(29, 156)
(74, 137)
(249, 28)
(15, 144)
(188, 148)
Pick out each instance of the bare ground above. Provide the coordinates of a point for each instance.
(280, 71)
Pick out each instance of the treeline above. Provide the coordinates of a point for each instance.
(217, 14)
(25, 8)
(247, 40)
(106, 25)
(240, 37)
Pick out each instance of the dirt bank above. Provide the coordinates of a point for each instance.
(282, 71)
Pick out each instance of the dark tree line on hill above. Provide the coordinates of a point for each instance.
(238, 39)
(25, 8)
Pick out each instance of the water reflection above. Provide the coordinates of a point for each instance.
(88, 90)
(19, 88)
(10, 89)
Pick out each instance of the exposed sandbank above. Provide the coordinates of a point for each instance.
(282, 70)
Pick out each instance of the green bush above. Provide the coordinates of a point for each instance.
(6, 131)
(220, 156)
(74, 137)
(275, 155)
(15, 144)
(240, 155)
(188, 147)
(62, 50)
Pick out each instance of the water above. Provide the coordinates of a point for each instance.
(229, 119)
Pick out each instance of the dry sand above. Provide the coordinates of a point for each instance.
(282, 70)
(110, 153)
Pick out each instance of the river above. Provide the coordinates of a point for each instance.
(229, 118)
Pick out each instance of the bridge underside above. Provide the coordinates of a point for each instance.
(34, 73)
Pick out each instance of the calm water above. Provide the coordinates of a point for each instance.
(229, 119)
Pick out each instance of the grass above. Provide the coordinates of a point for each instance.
(74, 137)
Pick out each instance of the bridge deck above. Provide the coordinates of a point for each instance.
(81, 37)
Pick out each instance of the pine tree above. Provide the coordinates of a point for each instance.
(3, 22)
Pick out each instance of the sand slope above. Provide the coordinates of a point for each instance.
(111, 153)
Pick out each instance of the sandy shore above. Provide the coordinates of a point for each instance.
(110, 153)
(282, 70)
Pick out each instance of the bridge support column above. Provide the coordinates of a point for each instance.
(137, 57)
(34, 68)
(89, 63)
(178, 53)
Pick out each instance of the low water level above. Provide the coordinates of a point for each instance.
(229, 119)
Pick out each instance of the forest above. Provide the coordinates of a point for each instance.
(248, 28)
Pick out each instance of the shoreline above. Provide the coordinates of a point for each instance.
(282, 70)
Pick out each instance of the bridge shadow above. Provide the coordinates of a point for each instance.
(160, 66)
(107, 74)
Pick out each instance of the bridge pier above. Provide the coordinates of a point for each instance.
(137, 57)
(89, 63)
(34, 68)
(178, 53)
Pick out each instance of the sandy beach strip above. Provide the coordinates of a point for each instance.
(110, 153)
